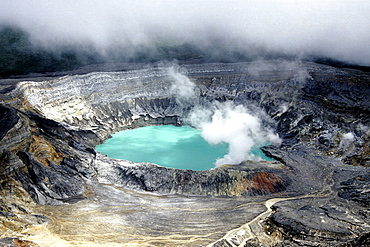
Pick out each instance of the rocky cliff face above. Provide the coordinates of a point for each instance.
(314, 193)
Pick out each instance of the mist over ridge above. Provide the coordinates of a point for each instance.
(214, 30)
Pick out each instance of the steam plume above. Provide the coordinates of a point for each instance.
(182, 86)
(223, 122)
(232, 124)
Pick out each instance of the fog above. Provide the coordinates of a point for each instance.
(334, 29)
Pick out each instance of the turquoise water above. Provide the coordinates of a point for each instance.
(165, 145)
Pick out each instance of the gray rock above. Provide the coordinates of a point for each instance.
(49, 128)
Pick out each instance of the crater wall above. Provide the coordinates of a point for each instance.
(49, 129)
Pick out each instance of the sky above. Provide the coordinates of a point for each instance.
(335, 29)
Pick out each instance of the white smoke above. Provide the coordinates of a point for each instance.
(181, 86)
(347, 140)
(223, 122)
(232, 124)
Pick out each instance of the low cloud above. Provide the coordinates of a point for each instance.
(334, 29)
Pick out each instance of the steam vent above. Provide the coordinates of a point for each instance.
(57, 190)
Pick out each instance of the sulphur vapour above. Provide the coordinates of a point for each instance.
(182, 86)
(233, 124)
(222, 122)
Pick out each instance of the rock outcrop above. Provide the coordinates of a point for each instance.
(316, 191)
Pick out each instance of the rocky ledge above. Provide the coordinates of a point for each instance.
(57, 190)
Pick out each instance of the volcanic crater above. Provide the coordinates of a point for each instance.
(57, 189)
